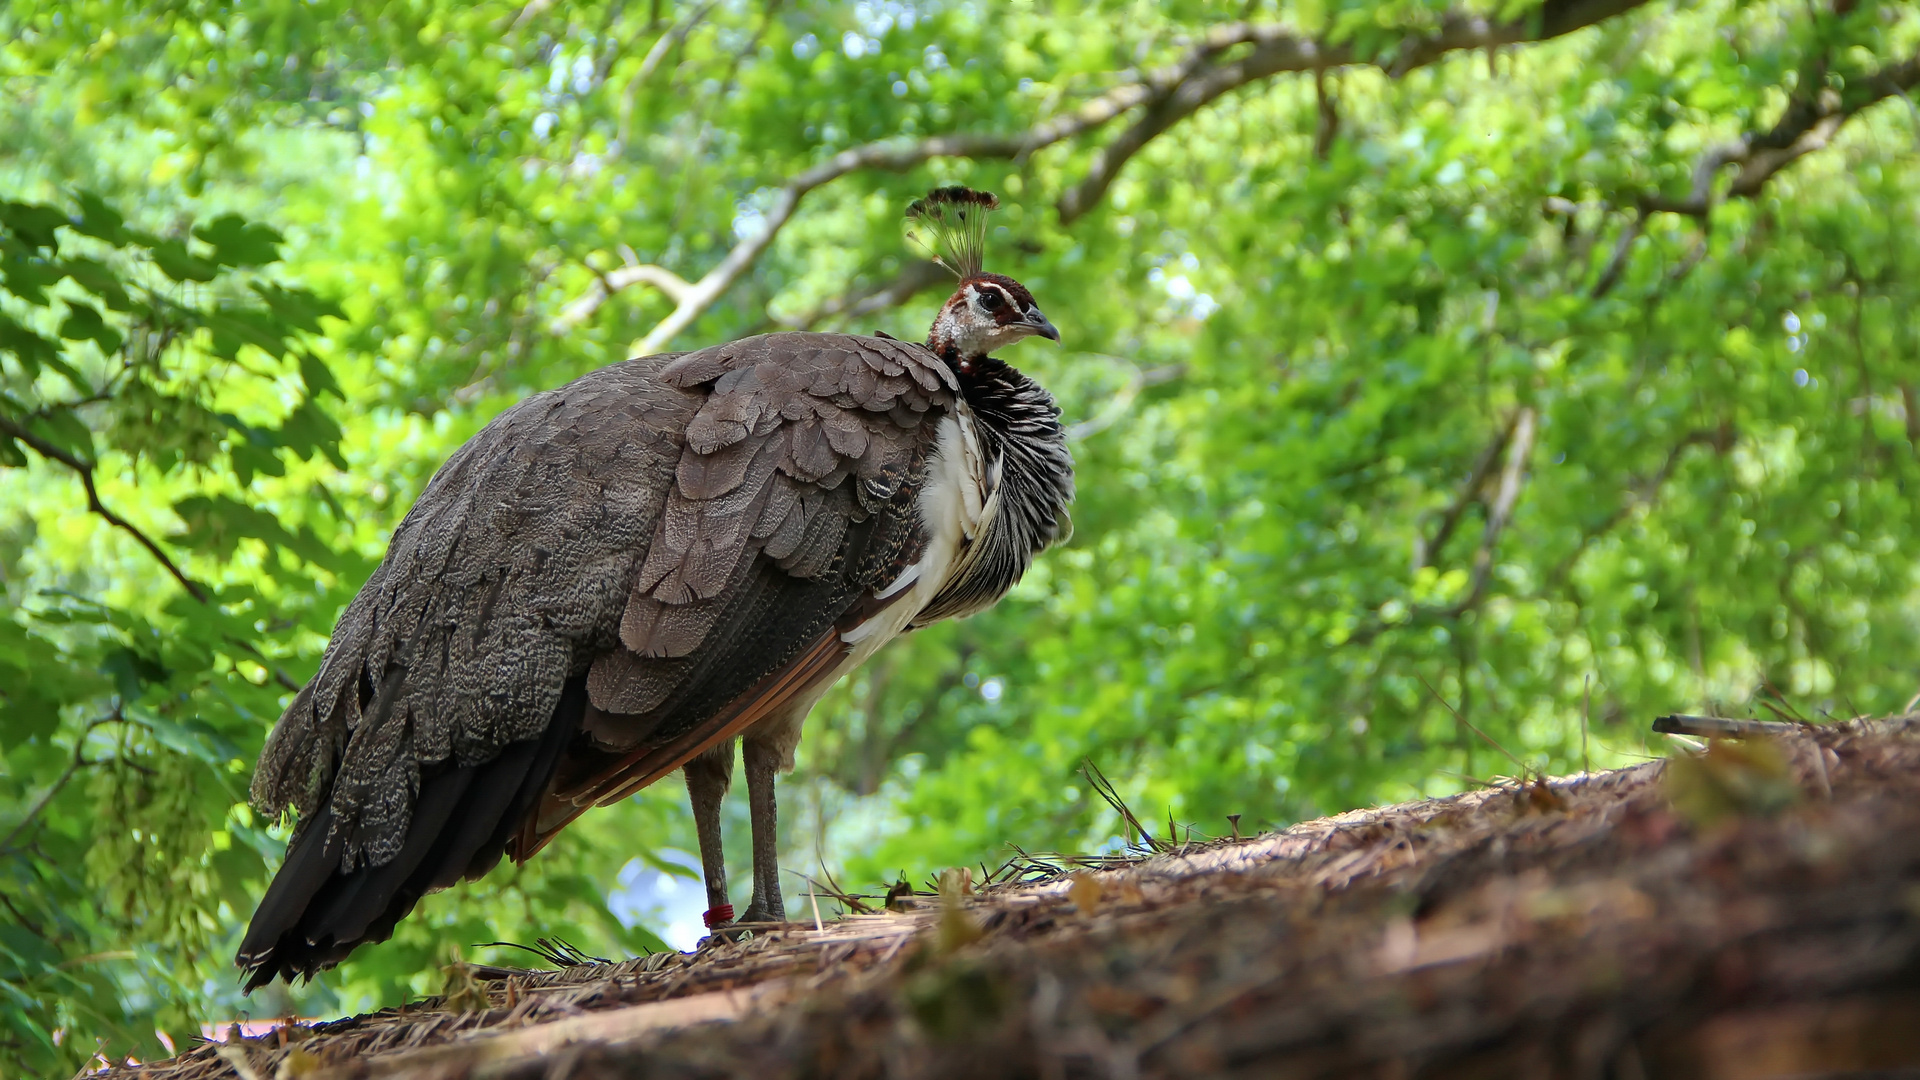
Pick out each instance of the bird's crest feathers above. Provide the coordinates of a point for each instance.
(955, 223)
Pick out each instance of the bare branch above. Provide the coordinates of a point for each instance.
(531, 11)
(1808, 124)
(666, 43)
(915, 276)
(1139, 379)
(85, 471)
(1512, 478)
(1169, 94)
(606, 285)
(1216, 66)
(1326, 126)
(194, 588)
(1424, 549)
(1617, 262)
(1279, 49)
(1642, 493)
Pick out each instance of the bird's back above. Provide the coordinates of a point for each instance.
(607, 579)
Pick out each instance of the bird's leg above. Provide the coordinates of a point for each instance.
(707, 779)
(764, 758)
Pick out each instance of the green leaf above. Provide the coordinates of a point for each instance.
(32, 222)
(131, 671)
(61, 427)
(95, 277)
(26, 712)
(238, 243)
(319, 378)
(192, 737)
(216, 524)
(309, 430)
(29, 348)
(173, 259)
(29, 277)
(98, 220)
(297, 307)
(84, 323)
(233, 327)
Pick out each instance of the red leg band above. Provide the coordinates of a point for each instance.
(718, 916)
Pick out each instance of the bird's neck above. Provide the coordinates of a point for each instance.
(1019, 427)
(958, 341)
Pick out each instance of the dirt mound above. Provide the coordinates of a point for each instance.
(1754, 911)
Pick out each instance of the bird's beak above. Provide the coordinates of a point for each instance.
(1041, 326)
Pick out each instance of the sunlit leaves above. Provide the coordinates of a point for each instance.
(1300, 328)
(127, 715)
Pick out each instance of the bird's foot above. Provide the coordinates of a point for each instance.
(756, 913)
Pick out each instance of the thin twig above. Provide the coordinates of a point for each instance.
(74, 765)
(1468, 724)
(914, 276)
(1586, 707)
(1425, 549)
(1519, 450)
(1617, 262)
(85, 471)
(605, 285)
(1117, 406)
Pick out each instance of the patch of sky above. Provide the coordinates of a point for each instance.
(669, 904)
(750, 215)
(1179, 287)
(857, 46)
(878, 18)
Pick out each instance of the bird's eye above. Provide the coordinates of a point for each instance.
(991, 301)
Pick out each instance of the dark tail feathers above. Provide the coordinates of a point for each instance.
(313, 915)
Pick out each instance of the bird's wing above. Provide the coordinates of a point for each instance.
(792, 510)
(679, 529)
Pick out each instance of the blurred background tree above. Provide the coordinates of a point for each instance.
(1538, 367)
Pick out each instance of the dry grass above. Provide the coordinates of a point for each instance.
(1752, 913)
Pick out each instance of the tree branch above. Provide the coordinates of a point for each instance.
(85, 470)
(1809, 123)
(1617, 262)
(1278, 49)
(1512, 478)
(1138, 379)
(606, 285)
(916, 275)
(1643, 493)
(1423, 549)
(73, 766)
(1167, 95)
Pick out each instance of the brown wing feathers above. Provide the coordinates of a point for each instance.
(761, 548)
(653, 556)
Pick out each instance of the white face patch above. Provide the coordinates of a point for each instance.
(972, 322)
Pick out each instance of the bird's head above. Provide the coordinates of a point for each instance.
(987, 311)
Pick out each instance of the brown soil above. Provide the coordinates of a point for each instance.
(1754, 912)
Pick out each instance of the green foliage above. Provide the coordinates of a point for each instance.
(1410, 390)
